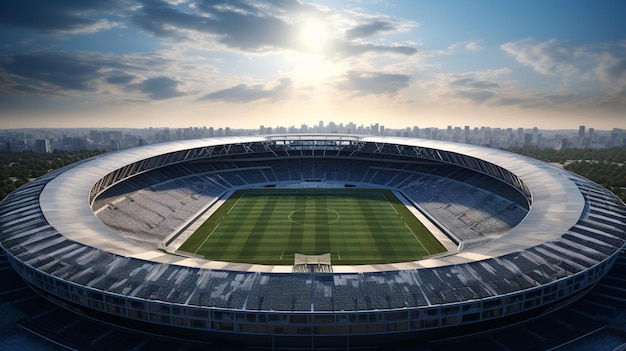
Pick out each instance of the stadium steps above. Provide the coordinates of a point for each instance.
(610, 298)
(75, 332)
(4, 262)
(549, 332)
(12, 287)
(599, 340)
(611, 291)
(518, 339)
(592, 309)
(615, 281)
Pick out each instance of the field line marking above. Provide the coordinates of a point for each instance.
(416, 238)
(281, 254)
(236, 202)
(406, 224)
(208, 236)
(389, 202)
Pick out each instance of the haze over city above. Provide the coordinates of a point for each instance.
(178, 63)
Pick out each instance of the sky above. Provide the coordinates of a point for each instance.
(552, 64)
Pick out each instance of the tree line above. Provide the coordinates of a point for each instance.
(18, 168)
(606, 167)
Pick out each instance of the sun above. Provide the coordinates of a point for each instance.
(314, 35)
(312, 63)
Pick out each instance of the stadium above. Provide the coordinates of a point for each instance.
(108, 238)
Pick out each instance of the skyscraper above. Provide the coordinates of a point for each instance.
(42, 146)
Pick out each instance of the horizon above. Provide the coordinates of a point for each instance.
(175, 64)
(312, 126)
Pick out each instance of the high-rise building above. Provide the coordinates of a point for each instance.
(520, 136)
(375, 129)
(581, 134)
(617, 137)
(332, 127)
(528, 139)
(592, 136)
(42, 146)
(95, 136)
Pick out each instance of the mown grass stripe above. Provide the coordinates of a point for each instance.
(296, 231)
(258, 228)
(241, 230)
(322, 230)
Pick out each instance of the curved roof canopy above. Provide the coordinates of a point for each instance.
(557, 203)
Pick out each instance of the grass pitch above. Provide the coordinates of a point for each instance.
(357, 226)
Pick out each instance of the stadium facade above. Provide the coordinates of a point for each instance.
(100, 238)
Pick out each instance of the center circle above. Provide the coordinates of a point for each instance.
(312, 216)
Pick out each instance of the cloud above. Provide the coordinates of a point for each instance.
(163, 21)
(60, 16)
(244, 93)
(478, 87)
(595, 73)
(466, 46)
(75, 73)
(563, 101)
(342, 49)
(372, 83)
(160, 88)
(473, 83)
(477, 96)
(605, 62)
(612, 69)
(550, 57)
(28, 89)
(369, 29)
(473, 46)
(59, 70)
(235, 24)
(257, 27)
(120, 78)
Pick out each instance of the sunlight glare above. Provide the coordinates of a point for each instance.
(314, 35)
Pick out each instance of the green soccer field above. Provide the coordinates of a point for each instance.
(356, 226)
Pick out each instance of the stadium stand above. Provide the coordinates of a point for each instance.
(595, 322)
(475, 212)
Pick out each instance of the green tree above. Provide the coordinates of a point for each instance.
(18, 168)
(606, 167)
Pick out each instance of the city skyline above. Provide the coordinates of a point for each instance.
(110, 139)
(133, 64)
